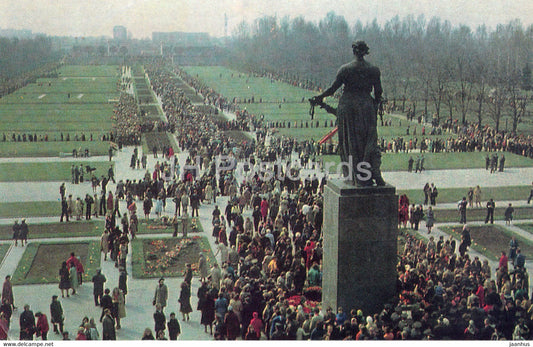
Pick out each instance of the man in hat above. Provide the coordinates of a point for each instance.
(161, 294)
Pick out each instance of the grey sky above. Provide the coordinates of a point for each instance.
(142, 17)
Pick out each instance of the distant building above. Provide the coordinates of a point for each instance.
(120, 33)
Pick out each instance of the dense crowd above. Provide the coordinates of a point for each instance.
(466, 138)
(127, 123)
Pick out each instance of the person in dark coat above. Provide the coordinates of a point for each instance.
(27, 323)
(64, 209)
(7, 310)
(466, 241)
(418, 215)
(89, 201)
(7, 292)
(56, 315)
(206, 304)
(461, 206)
(159, 319)
(502, 163)
(106, 302)
(98, 286)
(490, 211)
(174, 329)
(123, 283)
(233, 326)
(108, 326)
(16, 232)
(64, 279)
(24, 230)
(185, 300)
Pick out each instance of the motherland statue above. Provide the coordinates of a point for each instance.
(357, 118)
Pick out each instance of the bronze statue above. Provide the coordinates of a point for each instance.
(357, 116)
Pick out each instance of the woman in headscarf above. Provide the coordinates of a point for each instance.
(257, 323)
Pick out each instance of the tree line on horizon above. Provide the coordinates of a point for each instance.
(22, 55)
(424, 63)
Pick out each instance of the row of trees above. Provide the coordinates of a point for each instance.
(424, 63)
(20, 56)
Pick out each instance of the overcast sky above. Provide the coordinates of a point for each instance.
(142, 17)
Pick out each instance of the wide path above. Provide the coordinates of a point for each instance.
(460, 178)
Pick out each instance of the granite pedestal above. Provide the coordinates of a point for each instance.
(360, 246)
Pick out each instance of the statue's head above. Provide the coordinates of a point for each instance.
(360, 48)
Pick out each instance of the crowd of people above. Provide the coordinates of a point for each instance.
(269, 238)
(127, 122)
(462, 138)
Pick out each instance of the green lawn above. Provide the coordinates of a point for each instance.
(441, 161)
(3, 251)
(526, 226)
(453, 195)
(73, 85)
(232, 84)
(30, 209)
(46, 171)
(52, 148)
(40, 262)
(22, 96)
(479, 214)
(45, 108)
(89, 71)
(53, 118)
(56, 230)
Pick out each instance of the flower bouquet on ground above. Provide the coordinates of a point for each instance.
(307, 305)
(313, 293)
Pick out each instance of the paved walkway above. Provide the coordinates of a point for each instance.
(460, 178)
